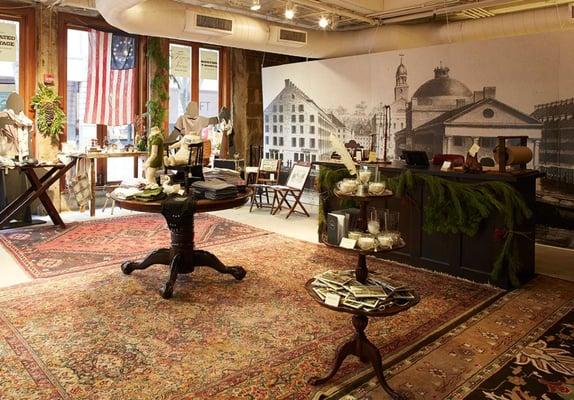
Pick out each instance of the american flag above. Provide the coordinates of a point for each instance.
(111, 67)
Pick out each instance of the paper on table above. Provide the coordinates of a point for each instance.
(347, 243)
(332, 299)
(446, 166)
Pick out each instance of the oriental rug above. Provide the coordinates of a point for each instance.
(104, 335)
(49, 251)
(519, 348)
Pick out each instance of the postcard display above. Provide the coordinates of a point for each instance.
(354, 292)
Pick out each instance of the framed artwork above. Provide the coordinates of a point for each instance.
(298, 176)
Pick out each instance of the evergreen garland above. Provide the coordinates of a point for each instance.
(326, 181)
(453, 208)
(159, 93)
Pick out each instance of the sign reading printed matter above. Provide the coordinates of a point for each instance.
(208, 64)
(8, 42)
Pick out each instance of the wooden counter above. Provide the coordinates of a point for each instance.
(456, 254)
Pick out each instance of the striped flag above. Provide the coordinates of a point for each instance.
(111, 73)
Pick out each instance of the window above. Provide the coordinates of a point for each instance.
(312, 143)
(292, 97)
(301, 118)
(274, 118)
(301, 108)
(293, 142)
(266, 117)
(488, 142)
(274, 141)
(301, 142)
(280, 128)
(292, 107)
(266, 128)
(274, 128)
(274, 108)
(313, 157)
(280, 108)
(311, 118)
(266, 139)
(208, 82)
(293, 118)
(402, 125)
(293, 129)
(267, 155)
(458, 140)
(301, 129)
(312, 129)
(180, 82)
(488, 113)
(10, 66)
(296, 156)
(281, 118)
(281, 141)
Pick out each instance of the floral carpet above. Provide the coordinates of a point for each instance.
(48, 251)
(105, 335)
(519, 348)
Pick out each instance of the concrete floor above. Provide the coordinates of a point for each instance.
(552, 261)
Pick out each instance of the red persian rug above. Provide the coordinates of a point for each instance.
(49, 251)
(105, 335)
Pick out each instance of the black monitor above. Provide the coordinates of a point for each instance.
(416, 159)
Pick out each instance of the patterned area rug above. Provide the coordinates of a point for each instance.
(48, 251)
(520, 348)
(105, 335)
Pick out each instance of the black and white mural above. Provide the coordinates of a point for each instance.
(441, 99)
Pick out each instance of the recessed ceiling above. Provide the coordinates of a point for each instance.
(360, 14)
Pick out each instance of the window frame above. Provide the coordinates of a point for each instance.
(26, 18)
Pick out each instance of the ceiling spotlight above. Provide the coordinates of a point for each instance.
(289, 10)
(323, 22)
(255, 5)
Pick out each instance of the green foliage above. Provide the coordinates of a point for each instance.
(158, 85)
(455, 207)
(50, 118)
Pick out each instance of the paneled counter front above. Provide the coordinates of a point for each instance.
(456, 254)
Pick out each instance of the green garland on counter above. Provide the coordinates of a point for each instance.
(456, 207)
(159, 92)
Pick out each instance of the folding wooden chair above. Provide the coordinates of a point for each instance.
(294, 189)
(267, 175)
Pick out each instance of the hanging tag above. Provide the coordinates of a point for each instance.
(473, 150)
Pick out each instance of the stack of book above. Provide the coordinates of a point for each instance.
(340, 288)
(214, 189)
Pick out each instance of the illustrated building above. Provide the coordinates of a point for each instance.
(557, 150)
(397, 117)
(445, 116)
(296, 128)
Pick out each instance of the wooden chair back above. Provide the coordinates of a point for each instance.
(268, 172)
(298, 176)
(255, 155)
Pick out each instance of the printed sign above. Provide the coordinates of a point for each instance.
(180, 61)
(8, 42)
(208, 64)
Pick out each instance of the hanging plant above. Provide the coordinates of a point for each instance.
(158, 84)
(50, 118)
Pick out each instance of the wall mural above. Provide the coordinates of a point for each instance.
(439, 99)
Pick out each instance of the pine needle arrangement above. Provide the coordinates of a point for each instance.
(50, 118)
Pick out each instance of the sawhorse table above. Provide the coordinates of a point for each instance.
(37, 190)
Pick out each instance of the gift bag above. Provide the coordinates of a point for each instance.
(80, 184)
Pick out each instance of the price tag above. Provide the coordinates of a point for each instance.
(446, 166)
(332, 299)
(347, 243)
(473, 149)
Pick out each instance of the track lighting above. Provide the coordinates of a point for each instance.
(255, 5)
(323, 22)
(289, 10)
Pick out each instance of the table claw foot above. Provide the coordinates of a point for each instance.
(345, 350)
(206, 259)
(160, 256)
(128, 267)
(167, 290)
(237, 272)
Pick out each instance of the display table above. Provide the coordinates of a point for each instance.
(182, 257)
(37, 190)
(455, 254)
(104, 156)
(359, 345)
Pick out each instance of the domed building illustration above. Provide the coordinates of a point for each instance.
(445, 116)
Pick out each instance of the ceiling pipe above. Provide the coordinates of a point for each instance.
(338, 11)
(167, 18)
